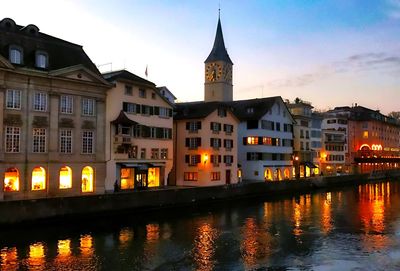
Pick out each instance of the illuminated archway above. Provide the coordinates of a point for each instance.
(65, 177)
(365, 147)
(286, 173)
(278, 174)
(38, 178)
(11, 179)
(87, 179)
(268, 174)
(376, 147)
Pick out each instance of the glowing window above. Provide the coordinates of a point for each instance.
(38, 178)
(268, 175)
(252, 140)
(365, 134)
(11, 180)
(153, 177)
(286, 173)
(65, 178)
(87, 179)
(127, 178)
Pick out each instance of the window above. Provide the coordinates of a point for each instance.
(252, 124)
(146, 110)
(87, 142)
(307, 146)
(65, 178)
(222, 112)
(128, 90)
(228, 159)
(130, 107)
(193, 142)
(154, 153)
(127, 180)
(190, 176)
(252, 140)
(87, 179)
(167, 133)
(143, 153)
(249, 110)
(215, 143)
(215, 176)
(307, 134)
(142, 93)
(301, 133)
(164, 153)
(215, 160)
(268, 125)
(192, 160)
(228, 144)
(42, 60)
(331, 121)
(40, 101)
(11, 180)
(152, 132)
(228, 128)
(215, 127)
(12, 137)
(38, 178)
(88, 107)
(13, 99)
(153, 95)
(39, 140)
(66, 104)
(267, 140)
(193, 126)
(66, 141)
(365, 134)
(16, 55)
(163, 112)
(278, 126)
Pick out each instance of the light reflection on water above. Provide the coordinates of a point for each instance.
(355, 228)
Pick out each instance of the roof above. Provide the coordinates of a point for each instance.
(260, 107)
(123, 120)
(196, 110)
(61, 53)
(166, 89)
(124, 74)
(218, 51)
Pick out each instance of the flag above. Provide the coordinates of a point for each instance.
(145, 72)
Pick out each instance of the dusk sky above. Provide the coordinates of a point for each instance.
(331, 53)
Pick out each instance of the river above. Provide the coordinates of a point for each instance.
(355, 228)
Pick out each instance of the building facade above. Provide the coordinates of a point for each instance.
(265, 139)
(139, 141)
(205, 144)
(52, 116)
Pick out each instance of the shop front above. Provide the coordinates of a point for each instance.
(140, 175)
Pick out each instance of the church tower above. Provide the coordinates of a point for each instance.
(218, 71)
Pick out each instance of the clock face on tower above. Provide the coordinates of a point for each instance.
(213, 72)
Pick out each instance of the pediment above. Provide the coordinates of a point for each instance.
(79, 72)
(4, 63)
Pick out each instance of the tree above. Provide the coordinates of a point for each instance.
(395, 115)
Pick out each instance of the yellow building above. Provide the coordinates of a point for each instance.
(52, 116)
(139, 145)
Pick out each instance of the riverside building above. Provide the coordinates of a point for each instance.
(52, 116)
(139, 139)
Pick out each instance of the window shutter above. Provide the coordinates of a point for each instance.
(211, 125)
(219, 126)
(145, 131)
(248, 156)
(199, 125)
(219, 158)
(212, 158)
(219, 142)
(232, 128)
(159, 132)
(198, 141)
(224, 127)
(125, 106)
(187, 140)
(187, 158)
(259, 156)
(156, 110)
(170, 112)
(224, 159)
(151, 110)
(260, 140)
(170, 133)
(232, 159)
(211, 142)
(224, 143)
(198, 158)
(187, 125)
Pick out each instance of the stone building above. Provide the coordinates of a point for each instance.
(52, 122)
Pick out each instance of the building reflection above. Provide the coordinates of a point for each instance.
(9, 259)
(204, 247)
(326, 217)
(125, 237)
(86, 245)
(36, 260)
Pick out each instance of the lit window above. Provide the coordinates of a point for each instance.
(87, 142)
(88, 107)
(13, 99)
(87, 179)
(38, 178)
(154, 153)
(66, 141)
(41, 60)
(190, 176)
(164, 153)
(153, 177)
(65, 178)
(252, 140)
(365, 134)
(11, 180)
(40, 101)
(15, 55)
(215, 176)
(127, 178)
(39, 140)
(66, 104)
(12, 139)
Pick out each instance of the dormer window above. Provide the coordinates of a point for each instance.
(41, 60)
(250, 110)
(15, 54)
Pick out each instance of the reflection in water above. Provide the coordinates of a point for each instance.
(204, 247)
(36, 259)
(9, 259)
(359, 226)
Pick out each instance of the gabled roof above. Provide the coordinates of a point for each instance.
(218, 51)
(124, 74)
(259, 107)
(61, 53)
(196, 110)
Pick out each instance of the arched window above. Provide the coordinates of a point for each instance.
(268, 175)
(15, 54)
(42, 60)
(286, 173)
(87, 179)
(38, 178)
(278, 174)
(65, 177)
(11, 179)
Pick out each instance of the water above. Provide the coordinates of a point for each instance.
(353, 229)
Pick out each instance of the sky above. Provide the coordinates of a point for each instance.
(330, 53)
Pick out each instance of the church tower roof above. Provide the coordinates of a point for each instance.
(218, 51)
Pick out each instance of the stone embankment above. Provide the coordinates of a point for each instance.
(48, 209)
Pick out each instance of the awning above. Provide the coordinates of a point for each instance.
(310, 165)
(124, 120)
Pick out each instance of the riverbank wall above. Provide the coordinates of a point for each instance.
(38, 210)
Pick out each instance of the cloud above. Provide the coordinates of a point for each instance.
(372, 61)
(393, 9)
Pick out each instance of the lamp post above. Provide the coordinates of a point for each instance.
(296, 167)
